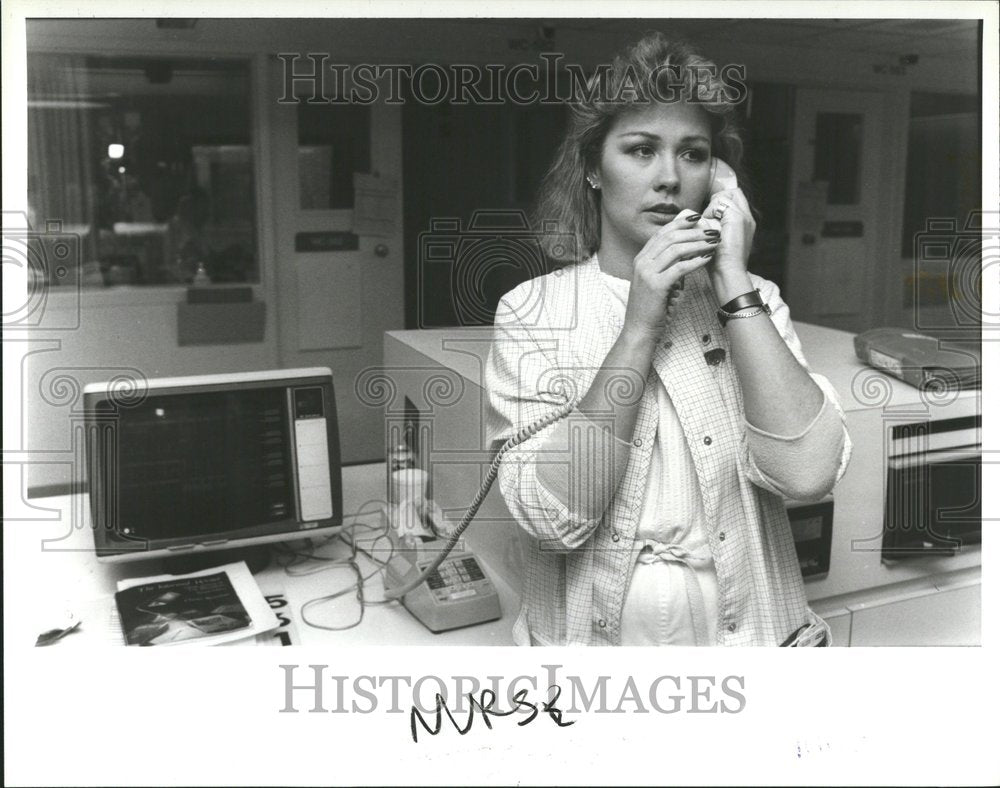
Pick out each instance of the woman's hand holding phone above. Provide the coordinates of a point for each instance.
(677, 248)
(729, 210)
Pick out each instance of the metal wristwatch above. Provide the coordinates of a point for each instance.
(725, 317)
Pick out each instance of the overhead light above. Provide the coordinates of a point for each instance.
(66, 104)
(116, 150)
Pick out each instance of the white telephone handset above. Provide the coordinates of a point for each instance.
(723, 179)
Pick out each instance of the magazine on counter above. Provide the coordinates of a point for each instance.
(207, 607)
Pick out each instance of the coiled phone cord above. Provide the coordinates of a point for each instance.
(484, 488)
(560, 413)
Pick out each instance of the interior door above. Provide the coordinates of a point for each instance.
(835, 193)
(338, 236)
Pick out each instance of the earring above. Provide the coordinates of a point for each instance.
(592, 182)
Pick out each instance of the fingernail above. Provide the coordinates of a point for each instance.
(712, 240)
(712, 233)
(693, 217)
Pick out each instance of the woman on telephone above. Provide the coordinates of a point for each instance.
(656, 506)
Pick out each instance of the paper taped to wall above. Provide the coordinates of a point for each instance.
(375, 204)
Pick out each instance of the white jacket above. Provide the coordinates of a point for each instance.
(552, 335)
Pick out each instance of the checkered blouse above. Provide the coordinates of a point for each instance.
(552, 335)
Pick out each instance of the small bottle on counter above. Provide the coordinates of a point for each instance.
(201, 277)
(401, 457)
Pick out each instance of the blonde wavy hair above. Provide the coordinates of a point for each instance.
(566, 205)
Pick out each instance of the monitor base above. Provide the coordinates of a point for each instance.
(257, 557)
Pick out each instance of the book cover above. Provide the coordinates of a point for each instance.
(181, 609)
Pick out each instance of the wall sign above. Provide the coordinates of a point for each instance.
(326, 241)
(843, 229)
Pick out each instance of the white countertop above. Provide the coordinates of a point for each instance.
(53, 564)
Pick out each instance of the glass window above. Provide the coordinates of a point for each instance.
(838, 156)
(942, 215)
(334, 143)
(149, 161)
(943, 165)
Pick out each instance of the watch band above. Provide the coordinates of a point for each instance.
(743, 301)
(725, 317)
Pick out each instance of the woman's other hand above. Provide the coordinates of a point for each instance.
(678, 248)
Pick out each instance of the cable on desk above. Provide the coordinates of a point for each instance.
(358, 589)
(288, 557)
(296, 558)
(355, 547)
(358, 586)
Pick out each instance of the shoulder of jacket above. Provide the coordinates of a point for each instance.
(547, 290)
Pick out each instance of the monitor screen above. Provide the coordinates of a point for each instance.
(212, 462)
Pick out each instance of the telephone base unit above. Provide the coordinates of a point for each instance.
(458, 594)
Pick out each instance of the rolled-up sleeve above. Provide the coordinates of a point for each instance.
(558, 483)
(808, 465)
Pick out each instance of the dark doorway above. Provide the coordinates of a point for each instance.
(464, 164)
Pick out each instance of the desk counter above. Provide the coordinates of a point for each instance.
(52, 564)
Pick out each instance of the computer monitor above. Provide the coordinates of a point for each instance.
(189, 465)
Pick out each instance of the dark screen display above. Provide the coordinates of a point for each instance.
(932, 507)
(308, 402)
(808, 528)
(955, 509)
(200, 464)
